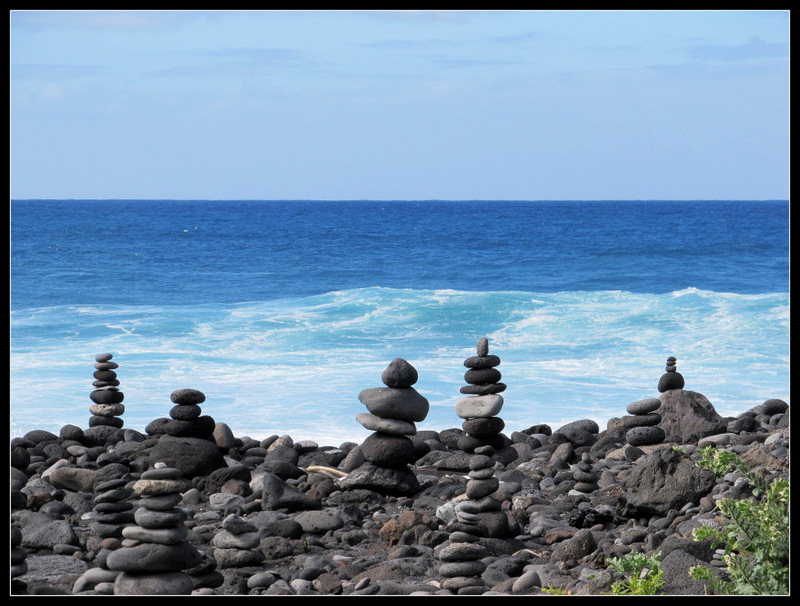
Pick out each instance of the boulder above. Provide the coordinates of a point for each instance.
(688, 416)
(193, 456)
(663, 480)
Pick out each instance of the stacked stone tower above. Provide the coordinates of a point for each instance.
(479, 408)
(393, 412)
(107, 408)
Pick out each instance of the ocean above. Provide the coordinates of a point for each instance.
(281, 312)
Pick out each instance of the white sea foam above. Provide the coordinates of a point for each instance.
(297, 365)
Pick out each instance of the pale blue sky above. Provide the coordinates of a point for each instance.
(521, 105)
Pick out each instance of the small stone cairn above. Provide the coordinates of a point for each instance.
(236, 545)
(643, 423)
(113, 511)
(388, 451)
(585, 476)
(155, 552)
(186, 416)
(479, 409)
(112, 508)
(671, 379)
(18, 556)
(107, 408)
(461, 566)
(461, 555)
(478, 515)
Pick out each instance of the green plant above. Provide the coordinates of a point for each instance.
(644, 574)
(755, 536)
(551, 590)
(719, 461)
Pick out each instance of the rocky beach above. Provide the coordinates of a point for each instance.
(187, 507)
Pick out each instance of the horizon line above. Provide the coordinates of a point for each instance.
(402, 199)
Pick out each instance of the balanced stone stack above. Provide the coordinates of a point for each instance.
(671, 379)
(155, 552)
(461, 555)
(479, 409)
(18, 556)
(186, 416)
(236, 545)
(643, 422)
(584, 475)
(107, 408)
(388, 451)
(112, 508)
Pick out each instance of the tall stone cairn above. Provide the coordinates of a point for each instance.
(107, 408)
(479, 408)
(156, 552)
(388, 451)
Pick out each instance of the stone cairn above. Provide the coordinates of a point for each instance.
(461, 555)
(585, 476)
(388, 451)
(186, 418)
(18, 564)
(112, 509)
(671, 379)
(112, 512)
(236, 545)
(107, 408)
(479, 408)
(155, 552)
(642, 425)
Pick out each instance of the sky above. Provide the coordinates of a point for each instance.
(399, 105)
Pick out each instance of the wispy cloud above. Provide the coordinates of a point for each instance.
(53, 71)
(102, 20)
(755, 48)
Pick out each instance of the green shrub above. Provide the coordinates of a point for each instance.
(755, 536)
(644, 574)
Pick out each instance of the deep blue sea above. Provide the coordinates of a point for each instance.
(281, 312)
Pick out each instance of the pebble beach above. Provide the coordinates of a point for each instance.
(187, 507)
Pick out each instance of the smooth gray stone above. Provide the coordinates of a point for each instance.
(482, 376)
(467, 568)
(642, 407)
(162, 473)
(187, 396)
(163, 502)
(456, 552)
(477, 489)
(482, 390)
(164, 583)
(479, 406)
(392, 426)
(648, 434)
(165, 536)
(106, 395)
(245, 540)
(148, 518)
(185, 412)
(404, 403)
(154, 557)
(399, 374)
(482, 362)
(483, 427)
(107, 410)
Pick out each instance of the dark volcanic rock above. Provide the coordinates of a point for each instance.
(193, 456)
(666, 479)
(688, 414)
